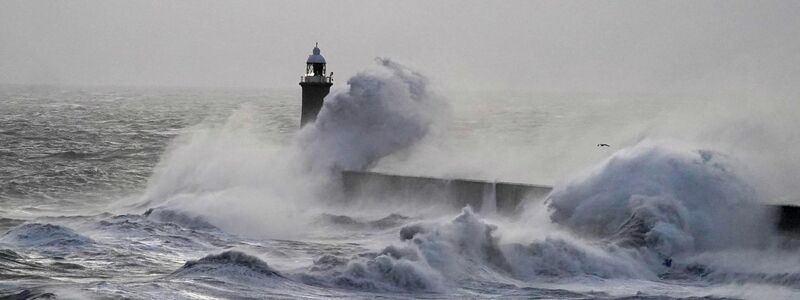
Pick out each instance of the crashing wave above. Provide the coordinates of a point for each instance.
(44, 235)
(467, 236)
(238, 181)
(385, 109)
(374, 272)
(430, 254)
(668, 200)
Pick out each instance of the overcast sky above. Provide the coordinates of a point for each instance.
(623, 46)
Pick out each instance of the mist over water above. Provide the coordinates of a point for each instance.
(239, 203)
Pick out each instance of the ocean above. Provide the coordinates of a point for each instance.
(180, 193)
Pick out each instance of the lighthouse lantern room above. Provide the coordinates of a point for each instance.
(315, 86)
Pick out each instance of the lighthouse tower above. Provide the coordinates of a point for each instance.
(315, 86)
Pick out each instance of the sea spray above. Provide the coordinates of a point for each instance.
(386, 108)
(626, 216)
(245, 184)
(669, 199)
(234, 177)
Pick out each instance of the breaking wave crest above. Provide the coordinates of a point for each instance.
(429, 255)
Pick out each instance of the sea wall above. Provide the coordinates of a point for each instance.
(502, 197)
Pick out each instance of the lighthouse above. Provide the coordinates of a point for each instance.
(316, 85)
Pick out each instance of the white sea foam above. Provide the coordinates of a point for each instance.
(429, 256)
(679, 200)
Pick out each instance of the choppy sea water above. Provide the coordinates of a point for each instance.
(198, 194)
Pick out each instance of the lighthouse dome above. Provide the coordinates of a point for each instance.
(315, 58)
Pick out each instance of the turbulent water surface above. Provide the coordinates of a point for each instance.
(197, 194)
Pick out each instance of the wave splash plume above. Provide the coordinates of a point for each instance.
(669, 200)
(385, 109)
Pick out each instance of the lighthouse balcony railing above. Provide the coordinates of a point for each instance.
(316, 79)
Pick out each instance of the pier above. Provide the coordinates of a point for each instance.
(503, 198)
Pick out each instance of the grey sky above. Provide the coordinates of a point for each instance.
(623, 46)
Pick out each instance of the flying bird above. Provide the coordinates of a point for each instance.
(603, 145)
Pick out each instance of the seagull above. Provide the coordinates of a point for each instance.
(603, 145)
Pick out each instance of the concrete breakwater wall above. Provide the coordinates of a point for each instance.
(500, 197)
